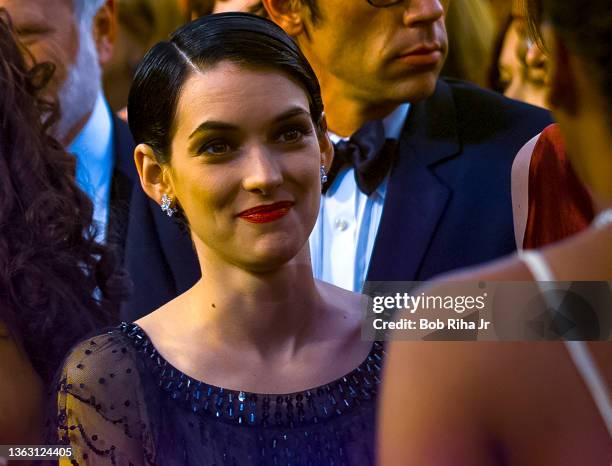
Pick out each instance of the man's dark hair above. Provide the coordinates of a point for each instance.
(241, 38)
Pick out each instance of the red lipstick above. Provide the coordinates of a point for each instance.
(266, 213)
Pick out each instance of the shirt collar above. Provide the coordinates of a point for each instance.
(95, 138)
(393, 124)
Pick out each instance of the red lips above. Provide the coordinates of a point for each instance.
(266, 213)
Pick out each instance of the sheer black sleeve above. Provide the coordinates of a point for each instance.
(101, 413)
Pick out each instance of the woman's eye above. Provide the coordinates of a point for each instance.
(216, 148)
(292, 135)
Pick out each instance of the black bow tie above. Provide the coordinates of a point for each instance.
(368, 152)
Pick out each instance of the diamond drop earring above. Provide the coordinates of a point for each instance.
(323, 175)
(166, 205)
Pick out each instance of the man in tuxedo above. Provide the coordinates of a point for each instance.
(420, 183)
(77, 37)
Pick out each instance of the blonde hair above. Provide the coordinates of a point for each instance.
(471, 30)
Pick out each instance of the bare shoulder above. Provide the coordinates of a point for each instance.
(585, 256)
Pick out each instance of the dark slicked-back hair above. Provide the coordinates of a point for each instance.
(56, 282)
(241, 38)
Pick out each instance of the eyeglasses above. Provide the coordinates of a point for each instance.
(383, 3)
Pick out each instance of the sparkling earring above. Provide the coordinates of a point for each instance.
(323, 175)
(166, 205)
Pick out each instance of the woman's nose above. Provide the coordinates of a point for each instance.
(262, 172)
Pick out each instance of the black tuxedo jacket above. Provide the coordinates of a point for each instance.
(123, 180)
(447, 205)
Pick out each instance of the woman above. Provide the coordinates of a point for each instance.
(550, 202)
(519, 68)
(525, 403)
(56, 283)
(242, 368)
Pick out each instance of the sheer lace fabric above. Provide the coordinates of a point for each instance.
(120, 402)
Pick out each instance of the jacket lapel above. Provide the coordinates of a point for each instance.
(416, 198)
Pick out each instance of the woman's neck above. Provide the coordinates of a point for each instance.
(265, 311)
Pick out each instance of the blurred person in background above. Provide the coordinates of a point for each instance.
(550, 202)
(56, 282)
(77, 37)
(501, 11)
(471, 34)
(527, 403)
(222, 6)
(197, 8)
(141, 23)
(519, 66)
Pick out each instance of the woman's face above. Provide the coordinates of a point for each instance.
(245, 165)
(522, 66)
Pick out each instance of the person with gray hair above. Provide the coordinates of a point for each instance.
(77, 37)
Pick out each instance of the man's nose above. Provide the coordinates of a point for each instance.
(423, 11)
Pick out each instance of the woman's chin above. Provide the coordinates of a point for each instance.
(271, 253)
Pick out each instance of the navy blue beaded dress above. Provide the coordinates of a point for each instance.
(120, 402)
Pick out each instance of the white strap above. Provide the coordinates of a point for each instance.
(537, 266)
(583, 359)
(578, 350)
(543, 275)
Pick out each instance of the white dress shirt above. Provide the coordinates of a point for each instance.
(343, 238)
(93, 149)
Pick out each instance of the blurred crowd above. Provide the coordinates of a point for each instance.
(490, 43)
(192, 200)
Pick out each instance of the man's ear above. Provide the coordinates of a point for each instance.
(287, 14)
(563, 87)
(325, 144)
(105, 31)
(154, 177)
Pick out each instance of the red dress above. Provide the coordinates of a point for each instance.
(559, 204)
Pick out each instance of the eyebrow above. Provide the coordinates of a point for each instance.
(220, 125)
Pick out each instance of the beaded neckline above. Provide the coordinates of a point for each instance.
(246, 408)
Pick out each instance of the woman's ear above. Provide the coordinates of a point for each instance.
(154, 177)
(325, 144)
